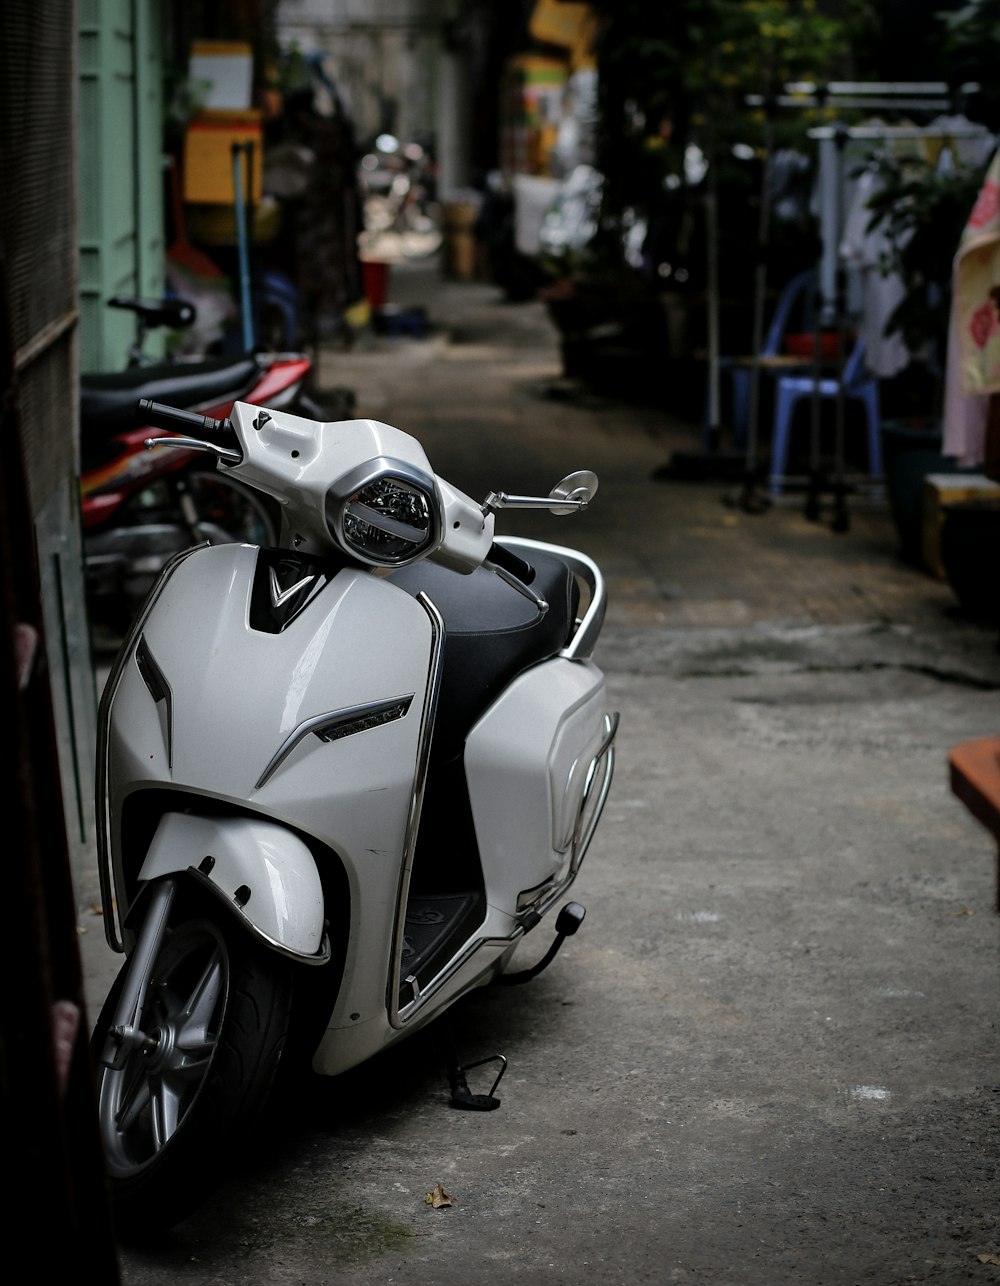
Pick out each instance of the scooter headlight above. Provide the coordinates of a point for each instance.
(386, 519)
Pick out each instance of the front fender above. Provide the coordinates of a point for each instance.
(263, 872)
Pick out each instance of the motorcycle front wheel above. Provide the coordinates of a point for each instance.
(158, 522)
(214, 1013)
(228, 510)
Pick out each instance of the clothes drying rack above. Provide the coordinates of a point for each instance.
(832, 141)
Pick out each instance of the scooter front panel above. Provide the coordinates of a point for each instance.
(270, 722)
(263, 717)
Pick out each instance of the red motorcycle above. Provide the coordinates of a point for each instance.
(139, 507)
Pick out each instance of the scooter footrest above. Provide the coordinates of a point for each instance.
(431, 920)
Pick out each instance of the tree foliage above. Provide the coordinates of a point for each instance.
(678, 74)
(970, 42)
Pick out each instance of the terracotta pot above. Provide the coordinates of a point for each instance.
(909, 453)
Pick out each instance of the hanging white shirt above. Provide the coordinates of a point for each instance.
(865, 249)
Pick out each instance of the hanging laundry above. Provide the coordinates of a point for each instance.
(970, 144)
(973, 370)
(866, 250)
(977, 285)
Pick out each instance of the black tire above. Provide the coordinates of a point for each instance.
(216, 1011)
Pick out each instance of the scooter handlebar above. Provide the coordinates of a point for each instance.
(160, 416)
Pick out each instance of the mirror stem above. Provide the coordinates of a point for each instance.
(498, 500)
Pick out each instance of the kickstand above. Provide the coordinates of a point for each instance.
(461, 1096)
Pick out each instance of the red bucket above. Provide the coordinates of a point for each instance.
(375, 279)
(804, 345)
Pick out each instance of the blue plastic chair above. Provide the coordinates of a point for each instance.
(858, 386)
(798, 293)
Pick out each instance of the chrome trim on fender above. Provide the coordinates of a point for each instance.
(584, 640)
(321, 957)
(427, 716)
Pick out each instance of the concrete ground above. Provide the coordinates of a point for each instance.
(772, 1053)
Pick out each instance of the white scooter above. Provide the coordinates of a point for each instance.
(338, 782)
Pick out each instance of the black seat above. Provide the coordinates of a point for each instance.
(492, 633)
(107, 401)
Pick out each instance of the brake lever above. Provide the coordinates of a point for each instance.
(223, 454)
(524, 590)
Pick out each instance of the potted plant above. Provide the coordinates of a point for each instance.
(676, 137)
(922, 208)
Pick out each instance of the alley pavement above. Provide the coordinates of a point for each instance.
(772, 1053)
(691, 546)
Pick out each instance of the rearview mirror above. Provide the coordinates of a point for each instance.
(574, 492)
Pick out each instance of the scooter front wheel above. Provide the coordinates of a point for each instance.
(192, 1074)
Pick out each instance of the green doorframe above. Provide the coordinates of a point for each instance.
(120, 187)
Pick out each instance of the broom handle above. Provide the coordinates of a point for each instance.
(239, 195)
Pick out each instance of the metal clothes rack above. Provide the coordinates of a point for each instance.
(926, 97)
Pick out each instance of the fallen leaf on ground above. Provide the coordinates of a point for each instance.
(438, 1198)
(989, 1259)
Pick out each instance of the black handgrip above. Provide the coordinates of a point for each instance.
(171, 312)
(160, 416)
(502, 557)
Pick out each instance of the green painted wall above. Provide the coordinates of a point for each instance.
(120, 171)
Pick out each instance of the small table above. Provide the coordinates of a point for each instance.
(779, 362)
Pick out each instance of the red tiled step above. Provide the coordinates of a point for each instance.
(974, 768)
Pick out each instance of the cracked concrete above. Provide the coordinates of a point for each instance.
(792, 648)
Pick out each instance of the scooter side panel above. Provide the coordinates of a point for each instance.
(526, 762)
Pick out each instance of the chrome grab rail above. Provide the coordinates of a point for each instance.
(584, 640)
